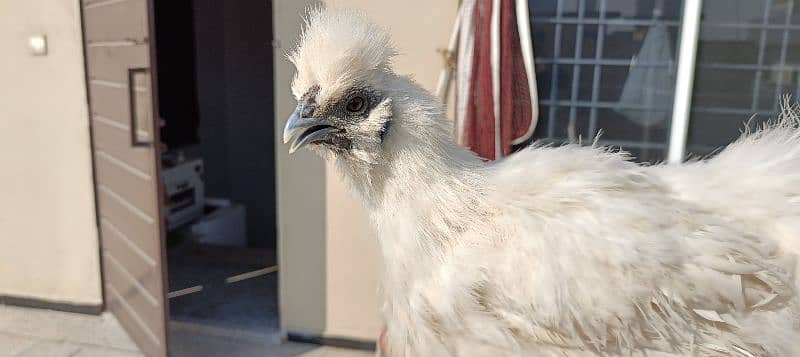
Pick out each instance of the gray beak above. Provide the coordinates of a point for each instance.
(302, 131)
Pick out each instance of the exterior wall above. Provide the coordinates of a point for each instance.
(48, 236)
(300, 182)
(339, 243)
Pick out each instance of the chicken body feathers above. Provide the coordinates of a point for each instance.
(562, 251)
(574, 249)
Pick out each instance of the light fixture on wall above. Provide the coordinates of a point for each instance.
(38, 45)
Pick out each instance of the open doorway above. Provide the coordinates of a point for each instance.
(215, 80)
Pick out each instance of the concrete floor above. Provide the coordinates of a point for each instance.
(248, 306)
(34, 332)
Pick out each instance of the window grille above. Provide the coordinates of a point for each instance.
(587, 51)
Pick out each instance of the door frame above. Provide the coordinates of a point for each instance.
(91, 151)
(156, 140)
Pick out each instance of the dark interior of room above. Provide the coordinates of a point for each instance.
(215, 83)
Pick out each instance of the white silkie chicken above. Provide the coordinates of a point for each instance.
(554, 251)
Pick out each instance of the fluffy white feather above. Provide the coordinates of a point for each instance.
(558, 251)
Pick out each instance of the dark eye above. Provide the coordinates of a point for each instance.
(356, 104)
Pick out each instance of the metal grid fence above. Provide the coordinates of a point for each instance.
(751, 78)
(585, 49)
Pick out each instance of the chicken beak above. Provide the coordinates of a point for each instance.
(302, 131)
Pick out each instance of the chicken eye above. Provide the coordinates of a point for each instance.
(356, 104)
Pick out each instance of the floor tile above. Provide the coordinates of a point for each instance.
(11, 345)
(100, 330)
(33, 332)
(326, 351)
(50, 349)
(190, 342)
(39, 323)
(103, 330)
(91, 351)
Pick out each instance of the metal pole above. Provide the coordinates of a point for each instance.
(684, 82)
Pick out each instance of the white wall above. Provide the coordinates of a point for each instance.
(300, 184)
(48, 237)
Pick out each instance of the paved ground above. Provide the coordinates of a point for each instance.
(33, 333)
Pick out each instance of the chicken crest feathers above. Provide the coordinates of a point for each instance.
(339, 47)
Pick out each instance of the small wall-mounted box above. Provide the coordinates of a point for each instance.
(38, 45)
